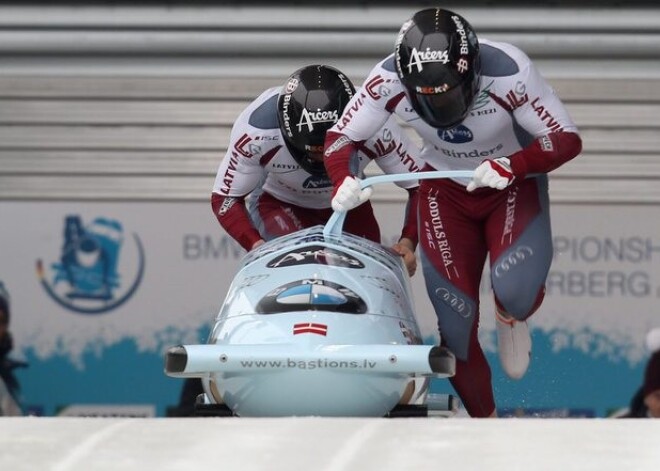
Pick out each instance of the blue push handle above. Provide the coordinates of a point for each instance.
(336, 221)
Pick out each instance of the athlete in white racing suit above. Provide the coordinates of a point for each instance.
(275, 157)
(483, 106)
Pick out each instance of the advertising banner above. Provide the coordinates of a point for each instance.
(98, 291)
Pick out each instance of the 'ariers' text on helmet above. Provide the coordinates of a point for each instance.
(437, 61)
(310, 103)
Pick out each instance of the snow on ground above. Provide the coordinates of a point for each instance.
(327, 444)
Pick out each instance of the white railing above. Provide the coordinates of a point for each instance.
(106, 103)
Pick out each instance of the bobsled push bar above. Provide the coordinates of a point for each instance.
(336, 221)
(192, 361)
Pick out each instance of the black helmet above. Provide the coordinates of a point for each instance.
(437, 61)
(309, 104)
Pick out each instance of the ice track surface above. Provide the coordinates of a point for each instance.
(328, 444)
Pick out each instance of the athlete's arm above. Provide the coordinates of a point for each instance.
(406, 248)
(234, 219)
(239, 174)
(395, 152)
(362, 118)
(544, 116)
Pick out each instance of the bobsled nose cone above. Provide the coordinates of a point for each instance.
(176, 359)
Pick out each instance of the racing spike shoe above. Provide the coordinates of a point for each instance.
(514, 345)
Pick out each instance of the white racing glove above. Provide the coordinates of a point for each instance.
(349, 195)
(493, 173)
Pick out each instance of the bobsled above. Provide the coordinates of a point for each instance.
(318, 323)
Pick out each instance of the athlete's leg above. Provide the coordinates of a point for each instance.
(361, 222)
(473, 380)
(453, 252)
(274, 218)
(520, 244)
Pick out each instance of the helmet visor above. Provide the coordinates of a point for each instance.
(443, 110)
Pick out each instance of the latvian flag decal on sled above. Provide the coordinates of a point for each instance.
(310, 328)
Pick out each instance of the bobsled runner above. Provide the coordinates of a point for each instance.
(322, 323)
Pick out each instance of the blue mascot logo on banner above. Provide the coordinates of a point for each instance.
(88, 278)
